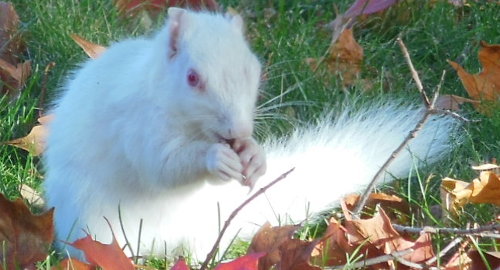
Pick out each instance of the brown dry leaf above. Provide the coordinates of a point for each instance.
(26, 237)
(484, 189)
(296, 255)
(492, 258)
(72, 264)
(386, 201)
(378, 235)
(34, 142)
(333, 247)
(484, 86)
(452, 102)
(10, 41)
(13, 74)
(344, 58)
(268, 239)
(91, 49)
(107, 256)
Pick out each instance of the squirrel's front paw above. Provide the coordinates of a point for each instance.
(253, 158)
(223, 162)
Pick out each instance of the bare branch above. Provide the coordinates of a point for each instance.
(373, 261)
(482, 229)
(444, 251)
(211, 254)
(414, 73)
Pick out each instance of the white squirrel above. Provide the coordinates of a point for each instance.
(162, 128)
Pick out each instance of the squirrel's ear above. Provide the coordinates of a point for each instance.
(235, 20)
(176, 19)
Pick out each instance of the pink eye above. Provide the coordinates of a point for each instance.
(193, 78)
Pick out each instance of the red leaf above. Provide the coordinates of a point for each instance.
(247, 262)
(365, 7)
(107, 256)
(180, 265)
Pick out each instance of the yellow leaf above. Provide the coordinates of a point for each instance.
(91, 49)
(485, 189)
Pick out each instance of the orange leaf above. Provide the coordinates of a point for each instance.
(107, 256)
(34, 142)
(26, 237)
(72, 264)
(247, 262)
(268, 239)
(484, 86)
(386, 201)
(91, 49)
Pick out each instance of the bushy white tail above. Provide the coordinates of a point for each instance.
(335, 157)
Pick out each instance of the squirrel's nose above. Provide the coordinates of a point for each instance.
(240, 130)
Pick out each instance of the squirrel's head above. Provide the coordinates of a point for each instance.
(209, 73)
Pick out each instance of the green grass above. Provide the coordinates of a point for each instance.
(433, 33)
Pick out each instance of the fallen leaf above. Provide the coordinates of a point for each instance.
(484, 86)
(296, 255)
(268, 240)
(452, 102)
(180, 265)
(484, 189)
(91, 49)
(14, 76)
(26, 237)
(492, 258)
(72, 264)
(365, 7)
(107, 256)
(333, 248)
(34, 142)
(377, 235)
(13, 73)
(32, 196)
(247, 262)
(10, 40)
(386, 201)
(344, 58)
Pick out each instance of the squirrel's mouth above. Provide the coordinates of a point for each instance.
(222, 139)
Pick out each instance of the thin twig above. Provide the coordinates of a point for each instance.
(373, 261)
(211, 254)
(414, 73)
(395, 153)
(444, 251)
(413, 133)
(427, 229)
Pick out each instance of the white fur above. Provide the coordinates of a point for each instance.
(130, 132)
